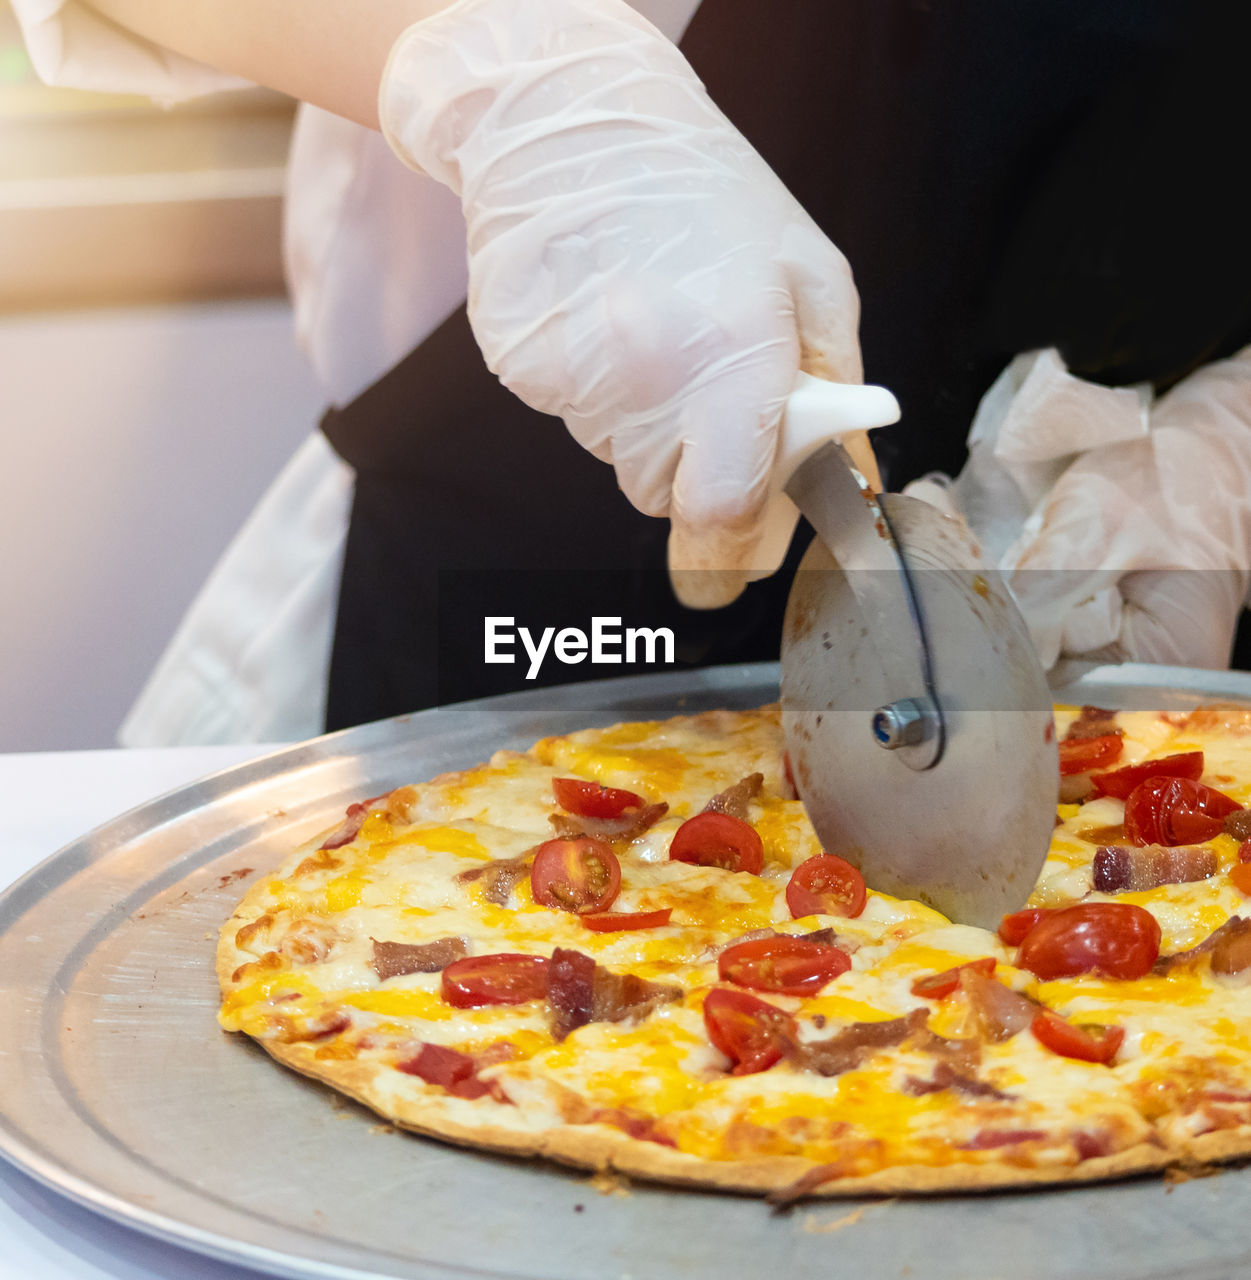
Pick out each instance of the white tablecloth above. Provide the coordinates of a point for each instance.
(47, 800)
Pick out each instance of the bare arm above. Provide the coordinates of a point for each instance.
(327, 52)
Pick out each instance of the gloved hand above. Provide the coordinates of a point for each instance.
(634, 265)
(1142, 550)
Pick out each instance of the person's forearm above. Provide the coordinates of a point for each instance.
(327, 52)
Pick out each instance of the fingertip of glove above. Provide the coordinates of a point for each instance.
(705, 572)
(707, 588)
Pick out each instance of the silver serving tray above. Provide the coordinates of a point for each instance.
(118, 1090)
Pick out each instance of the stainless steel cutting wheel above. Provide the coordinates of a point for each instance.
(957, 814)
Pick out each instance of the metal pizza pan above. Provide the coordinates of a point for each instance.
(118, 1090)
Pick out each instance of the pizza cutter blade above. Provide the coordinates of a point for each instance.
(917, 716)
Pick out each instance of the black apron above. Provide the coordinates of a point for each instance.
(1002, 175)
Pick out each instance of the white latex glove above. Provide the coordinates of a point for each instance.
(1142, 550)
(634, 265)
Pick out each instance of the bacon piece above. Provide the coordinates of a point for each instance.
(392, 959)
(350, 827)
(1233, 937)
(998, 1012)
(637, 1126)
(736, 799)
(570, 990)
(580, 991)
(849, 1047)
(1238, 824)
(961, 1056)
(631, 823)
(1136, 868)
(829, 938)
(826, 937)
(502, 876)
(1231, 952)
(947, 1077)
(448, 1068)
(1093, 722)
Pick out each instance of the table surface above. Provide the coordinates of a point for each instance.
(48, 799)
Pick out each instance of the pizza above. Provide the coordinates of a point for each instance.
(625, 949)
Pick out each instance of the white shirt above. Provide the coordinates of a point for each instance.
(375, 261)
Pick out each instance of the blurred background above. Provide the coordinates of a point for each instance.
(150, 386)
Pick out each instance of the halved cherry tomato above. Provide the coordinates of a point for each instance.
(581, 875)
(750, 1032)
(503, 978)
(1089, 1043)
(788, 966)
(826, 886)
(1080, 755)
(1115, 939)
(1014, 927)
(718, 840)
(1174, 811)
(1120, 782)
(935, 986)
(1240, 874)
(592, 800)
(615, 921)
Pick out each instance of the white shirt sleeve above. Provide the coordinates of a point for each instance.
(73, 46)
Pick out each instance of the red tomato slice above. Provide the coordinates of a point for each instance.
(1115, 939)
(1120, 782)
(581, 875)
(826, 886)
(788, 966)
(751, 1033)
(1080, 755)
(615, 921)
(1014, 927)
(503, 978)
(1240, 874)
(591, 800)
(718, 840)
(1088, 1043)
(935, 986)
(1174, 811)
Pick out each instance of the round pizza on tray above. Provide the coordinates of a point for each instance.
(625, 949)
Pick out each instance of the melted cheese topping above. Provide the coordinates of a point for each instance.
(304, 943)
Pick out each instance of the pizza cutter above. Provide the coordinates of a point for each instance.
(917, 716)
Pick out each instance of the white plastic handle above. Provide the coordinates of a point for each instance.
(816, 411)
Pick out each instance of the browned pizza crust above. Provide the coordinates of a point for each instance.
(604, 1149)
